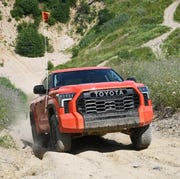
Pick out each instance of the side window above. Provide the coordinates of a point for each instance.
(57, 80)
(44, 83)
(47, 83)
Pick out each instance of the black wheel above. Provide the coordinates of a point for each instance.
(141, 137)
(39, 139)
(59, 142)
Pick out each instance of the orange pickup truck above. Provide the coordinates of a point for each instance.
(89, 101)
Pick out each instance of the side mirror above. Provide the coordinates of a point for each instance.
(39, 89)
(131, 79)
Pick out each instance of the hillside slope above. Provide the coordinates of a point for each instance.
(157, 43)
(26, 72)
(22, 71)
(91, 158)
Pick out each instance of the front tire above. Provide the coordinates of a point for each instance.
(59, 142)
(141, 137)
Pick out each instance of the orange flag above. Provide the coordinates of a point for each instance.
(45, 16)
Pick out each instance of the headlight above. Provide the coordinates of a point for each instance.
(145, 91)
(64, 98)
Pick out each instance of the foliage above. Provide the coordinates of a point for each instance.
(25, 26)
(59, 10)
(12, 101)
(30, 43)
(103, 16)
(75, 52)
(139, 54)
(114, 23)
(7, 141)
(177, 14)
(120, 43)
(3, 113)
(120, 40)
(161, 76)
(171, 44)
(25, 7)
(84, 16)
(50, 65)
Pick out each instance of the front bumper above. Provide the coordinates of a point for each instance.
(109, 122)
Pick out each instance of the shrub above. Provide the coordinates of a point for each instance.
(75, 52)
(30, 43)
(114, 23)
(103, 16)
(51, 21)
(50, 65)
(9, 19)
(25, 26)
(60, 12)
(25, 7)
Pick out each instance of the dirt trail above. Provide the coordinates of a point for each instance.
(156, 43)
(110, 157)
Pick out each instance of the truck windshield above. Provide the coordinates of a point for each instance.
(85, 76)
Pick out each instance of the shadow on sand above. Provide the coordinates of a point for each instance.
(82, 144)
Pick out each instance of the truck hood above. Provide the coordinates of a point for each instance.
(95, 86)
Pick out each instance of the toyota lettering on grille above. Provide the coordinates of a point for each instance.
(108, 93)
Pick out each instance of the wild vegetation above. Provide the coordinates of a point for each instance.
(84, 16)
(29, 42)
(121, 30)
(12, 101)
(118, 37)
(7, 141)
(161, 76)
(127, 25)
(177, 14)
(171, 45)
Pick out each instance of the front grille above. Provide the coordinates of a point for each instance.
(105, 101)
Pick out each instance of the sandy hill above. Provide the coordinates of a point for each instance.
(110, 157)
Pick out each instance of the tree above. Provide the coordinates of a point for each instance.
(30, 43)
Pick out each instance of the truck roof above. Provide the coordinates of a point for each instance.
(78, 69)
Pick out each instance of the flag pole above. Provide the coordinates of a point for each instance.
(45, 16)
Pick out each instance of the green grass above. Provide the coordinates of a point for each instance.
(161, 76)
(133, 24)
(120, 40)
(7, 141)
(119, 43)
(12, 102)
(177, 14)
(171, 45)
